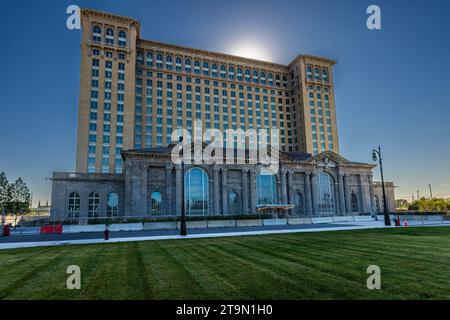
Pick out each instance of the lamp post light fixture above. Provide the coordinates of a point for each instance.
(183, 229)
(376, 155)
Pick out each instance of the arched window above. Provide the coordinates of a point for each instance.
(234, 203)
(324, 75)
(140, 57)
(377, 204)
(239, 73)
(326, 194)
(316, 74)
(205, 68)
(113, 205)
(122, 38)
(187, 65)
(354, 202)
(109, 36)
(266, 188)
(214, 70)
(196, 191)
(94, 205)
(159, 60)
(197, 67)
(149, 59)
(74, 205)
(298, 201)
(97, 34)
(231, 73)
(223, 71)
(155, 202)
(169, 62)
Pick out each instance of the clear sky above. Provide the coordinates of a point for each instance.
(392, 85)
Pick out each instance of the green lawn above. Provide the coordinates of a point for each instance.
(414, 262)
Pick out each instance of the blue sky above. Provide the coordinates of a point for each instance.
(392, 85)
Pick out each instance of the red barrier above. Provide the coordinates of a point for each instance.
(51, 229)
(6, 230)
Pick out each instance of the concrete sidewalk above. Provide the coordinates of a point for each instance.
(27, 241)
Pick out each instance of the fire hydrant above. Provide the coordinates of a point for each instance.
(106, 233)
(6, 230)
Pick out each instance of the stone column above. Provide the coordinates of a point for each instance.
(347, 194)
(169, 202)
(365, 194)
(341, 194)
(178, 190)
(216, 191)
(244, 191)
(291, 198)
(372, 208)
(315, 193)
(144, 182)
(308, 199)
(252, 192)
(224, 191)
(128, 190)
(283, 187)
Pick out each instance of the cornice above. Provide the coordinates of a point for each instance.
(109, 16)
(311, 58)
(211, 54)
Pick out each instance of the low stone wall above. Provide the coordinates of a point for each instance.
(362, 218)
(249, 223)
(412, 220)
(316, 220)
(194, 225)
(297, 221)
(221, 223)
(126, 227)
(85, 228)
(343, 219)
(274, 222)
(160, 225)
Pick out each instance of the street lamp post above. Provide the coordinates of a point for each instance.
(376, 155)
(183, 229)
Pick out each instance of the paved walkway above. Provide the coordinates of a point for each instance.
(27, 241)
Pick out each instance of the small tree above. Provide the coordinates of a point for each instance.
(19, 198)
(4, 196)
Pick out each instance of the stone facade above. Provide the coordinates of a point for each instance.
(149, 171)
(378, 197)
(134, 92)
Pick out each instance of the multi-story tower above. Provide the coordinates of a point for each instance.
(135, 92)
(107, 86)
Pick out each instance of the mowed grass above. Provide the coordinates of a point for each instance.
(414, 262)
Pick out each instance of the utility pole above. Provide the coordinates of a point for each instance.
(431, 192)
(418, 197)
(412, 197)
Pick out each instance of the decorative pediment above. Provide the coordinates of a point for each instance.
(329, 158)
